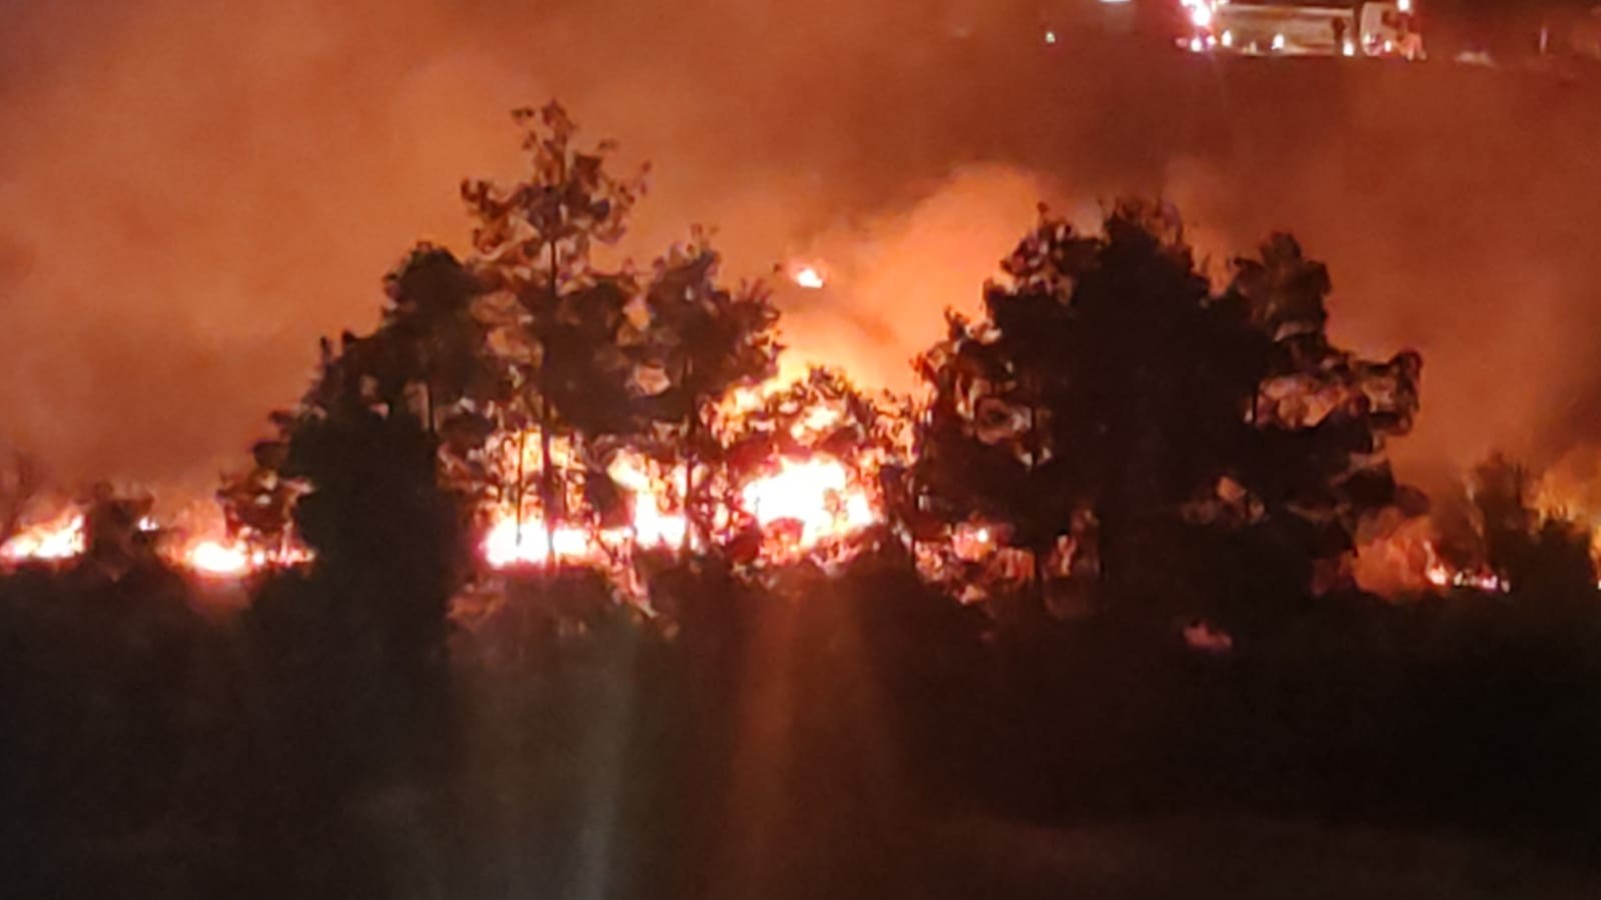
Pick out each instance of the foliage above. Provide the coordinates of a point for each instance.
(1111, 405)
(698, 341)
(561, 330)
(258, 503)
(1541, 555)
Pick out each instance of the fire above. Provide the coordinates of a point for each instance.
(211, 557)
(809, 277)
(817, 494)
(65, 538)
(1438, 575)
(60, 539)
(231, 558)
(816, 498)
(510, 543)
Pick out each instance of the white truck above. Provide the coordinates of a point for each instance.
(1289, 28)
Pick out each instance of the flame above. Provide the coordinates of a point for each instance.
(816, 493)
(1438, 575)
(223, 557)
(211, 557)
(809, 276)
(510, 543)
(809, 502)
(60, 539)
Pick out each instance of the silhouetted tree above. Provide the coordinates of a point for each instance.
(116, 538)
(428, 357)
(700, 341)
(1321, 415)
(258, 503)
(1111, 403)
(1545, 557)
(534, 241)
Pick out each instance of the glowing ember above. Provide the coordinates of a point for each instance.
(809, 277)
(53, 541)
(1204, 637)
(1438, 575)
(816, 493)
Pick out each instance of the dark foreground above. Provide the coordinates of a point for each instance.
(856, 737)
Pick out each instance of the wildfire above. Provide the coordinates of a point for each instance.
(817, 494)
(809, 502)
(65, 538)
(60, 539)
(512, 543)
(212, 557)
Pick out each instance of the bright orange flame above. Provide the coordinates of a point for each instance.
(1438, 575)
(508, 545)
(211, 557)
(60, 539)
(817, 493)
(816, 497)
(810, 277)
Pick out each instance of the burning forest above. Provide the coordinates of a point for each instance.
(563, 575)
(586, 412)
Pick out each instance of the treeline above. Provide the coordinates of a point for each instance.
(1169, 479)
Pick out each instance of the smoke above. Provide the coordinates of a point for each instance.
(193, 193)
(892, 277)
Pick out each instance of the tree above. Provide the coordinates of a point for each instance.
(1541, 556)
(700, 341)
(1321, 415)
(534, 241)
(427, 357)
(258, 502)
(1110, 403)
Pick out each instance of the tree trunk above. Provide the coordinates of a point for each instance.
(691, 435)
(547, 482)
(1035, 445)
(547, 476)
(522, 480)
(1041, 593)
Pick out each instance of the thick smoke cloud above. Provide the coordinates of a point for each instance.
(194, 192)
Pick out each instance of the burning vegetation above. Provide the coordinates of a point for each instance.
(1111, 407)
(556, 540)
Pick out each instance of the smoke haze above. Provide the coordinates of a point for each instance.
(194, 192)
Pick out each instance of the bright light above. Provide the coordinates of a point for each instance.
(1438, 575)
(1228, 38)
(1201, 15)
(57, 540)
(215, 558)
(816, 493)
(1195, 45)
(810, 277)
(1050, 37)
(1349, 49)
(1404, 5)
(509, 545)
